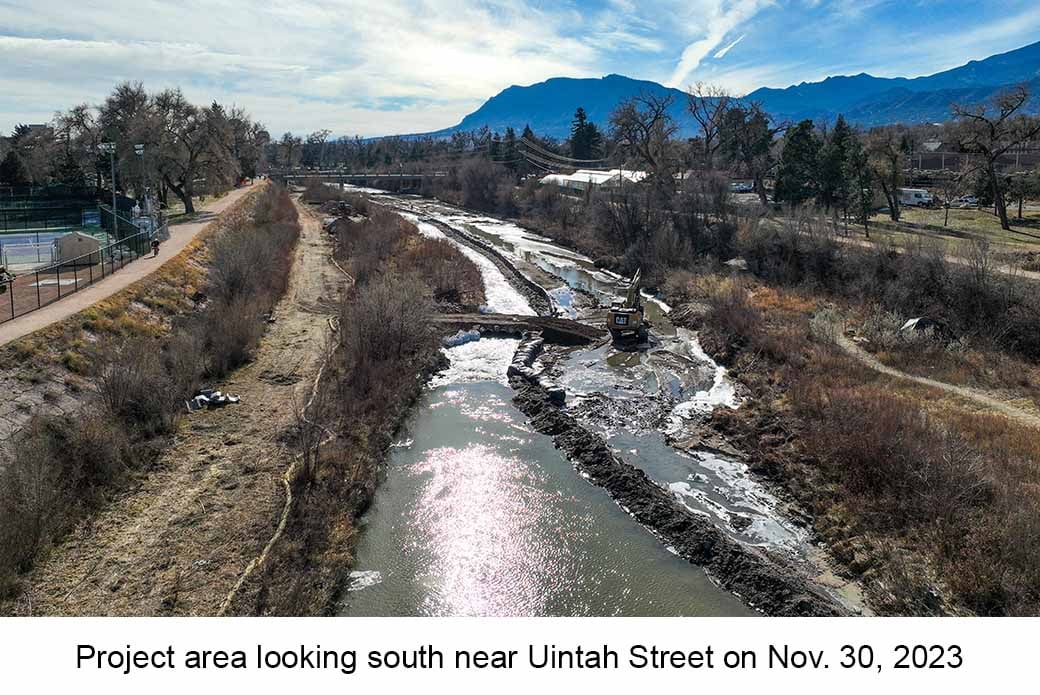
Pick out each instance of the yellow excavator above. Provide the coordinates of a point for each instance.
(625, 320)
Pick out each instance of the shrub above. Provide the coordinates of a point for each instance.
(135, 386)
(59, 467)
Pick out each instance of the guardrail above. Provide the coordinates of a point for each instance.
(30, 291)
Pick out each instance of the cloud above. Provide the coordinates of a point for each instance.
(372, 68)
(721, 53)
(723, 18)
(342, 64)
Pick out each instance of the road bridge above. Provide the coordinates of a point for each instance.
(388, 179)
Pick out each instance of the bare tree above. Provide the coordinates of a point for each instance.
(315, 147)
(746, 138)
(193, 142)
(708, 104)
(291, 150)
(991, 131)
(642, 127)
(952, 185)
(886, 157)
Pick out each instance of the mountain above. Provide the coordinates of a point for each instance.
(869, 101)
(548, 107)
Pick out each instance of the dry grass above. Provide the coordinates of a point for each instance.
(385, 242)
(143, 365)
(931, 493)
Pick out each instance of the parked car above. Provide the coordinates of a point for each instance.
(966, 201)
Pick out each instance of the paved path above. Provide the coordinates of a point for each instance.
(180, 236)
(975, 395)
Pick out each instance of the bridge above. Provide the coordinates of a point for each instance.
(554, 330)
(396, 179)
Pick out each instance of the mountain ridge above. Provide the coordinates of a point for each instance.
(865, 100)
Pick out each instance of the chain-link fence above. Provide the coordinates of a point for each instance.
(32, 290)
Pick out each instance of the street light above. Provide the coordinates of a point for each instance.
(139, 151)
(110, 149)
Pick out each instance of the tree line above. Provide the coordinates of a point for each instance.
(162, 142)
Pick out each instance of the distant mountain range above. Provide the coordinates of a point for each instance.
(548, 107)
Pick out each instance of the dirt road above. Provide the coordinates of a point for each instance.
(976, 396)
(180, 236)
(178, 542)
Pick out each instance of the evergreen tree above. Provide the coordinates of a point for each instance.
(594, 137)
(12, 170)
(797, 179)
(860, 181)
(580, 144)
(834, 185)
(509, 153)
(495, 148)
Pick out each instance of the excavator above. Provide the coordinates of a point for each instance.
(625, 320)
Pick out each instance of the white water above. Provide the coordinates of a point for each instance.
(480, 360)
(705, 482)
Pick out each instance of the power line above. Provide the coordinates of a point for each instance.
(541, 150)
(530, 156)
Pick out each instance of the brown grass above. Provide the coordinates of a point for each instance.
(934, 496)
(143, 366)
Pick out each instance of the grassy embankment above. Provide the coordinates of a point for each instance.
(136, 357)
(384, 350)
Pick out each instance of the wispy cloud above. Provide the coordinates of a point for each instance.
(721, 53)
(722, 18)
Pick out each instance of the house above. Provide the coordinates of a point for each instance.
(77, 247)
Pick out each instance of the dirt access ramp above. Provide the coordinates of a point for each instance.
(178, 543)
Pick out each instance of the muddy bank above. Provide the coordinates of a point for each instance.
(766, 582)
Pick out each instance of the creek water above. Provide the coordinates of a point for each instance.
(480, 515)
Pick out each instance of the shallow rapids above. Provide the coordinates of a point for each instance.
(480, 515)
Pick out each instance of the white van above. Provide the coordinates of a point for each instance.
(915, 197)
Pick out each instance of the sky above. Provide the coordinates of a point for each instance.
(398, 66)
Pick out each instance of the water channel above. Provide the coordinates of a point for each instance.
(480, 515)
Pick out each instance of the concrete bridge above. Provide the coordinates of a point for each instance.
(554, 330)
(396, 179)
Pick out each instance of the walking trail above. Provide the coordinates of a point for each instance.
(178, 543)
(975, 395)
(180, 236)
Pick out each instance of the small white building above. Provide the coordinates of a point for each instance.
(584, 179)
(77, 245)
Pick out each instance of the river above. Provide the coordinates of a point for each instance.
(480, 515)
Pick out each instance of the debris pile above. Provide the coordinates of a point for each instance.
(210, 398)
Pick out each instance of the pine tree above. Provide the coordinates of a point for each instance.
(860, 181)
(509, 153)
(580, 135)
(12, 170)
(797, 179)
(834, 187)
